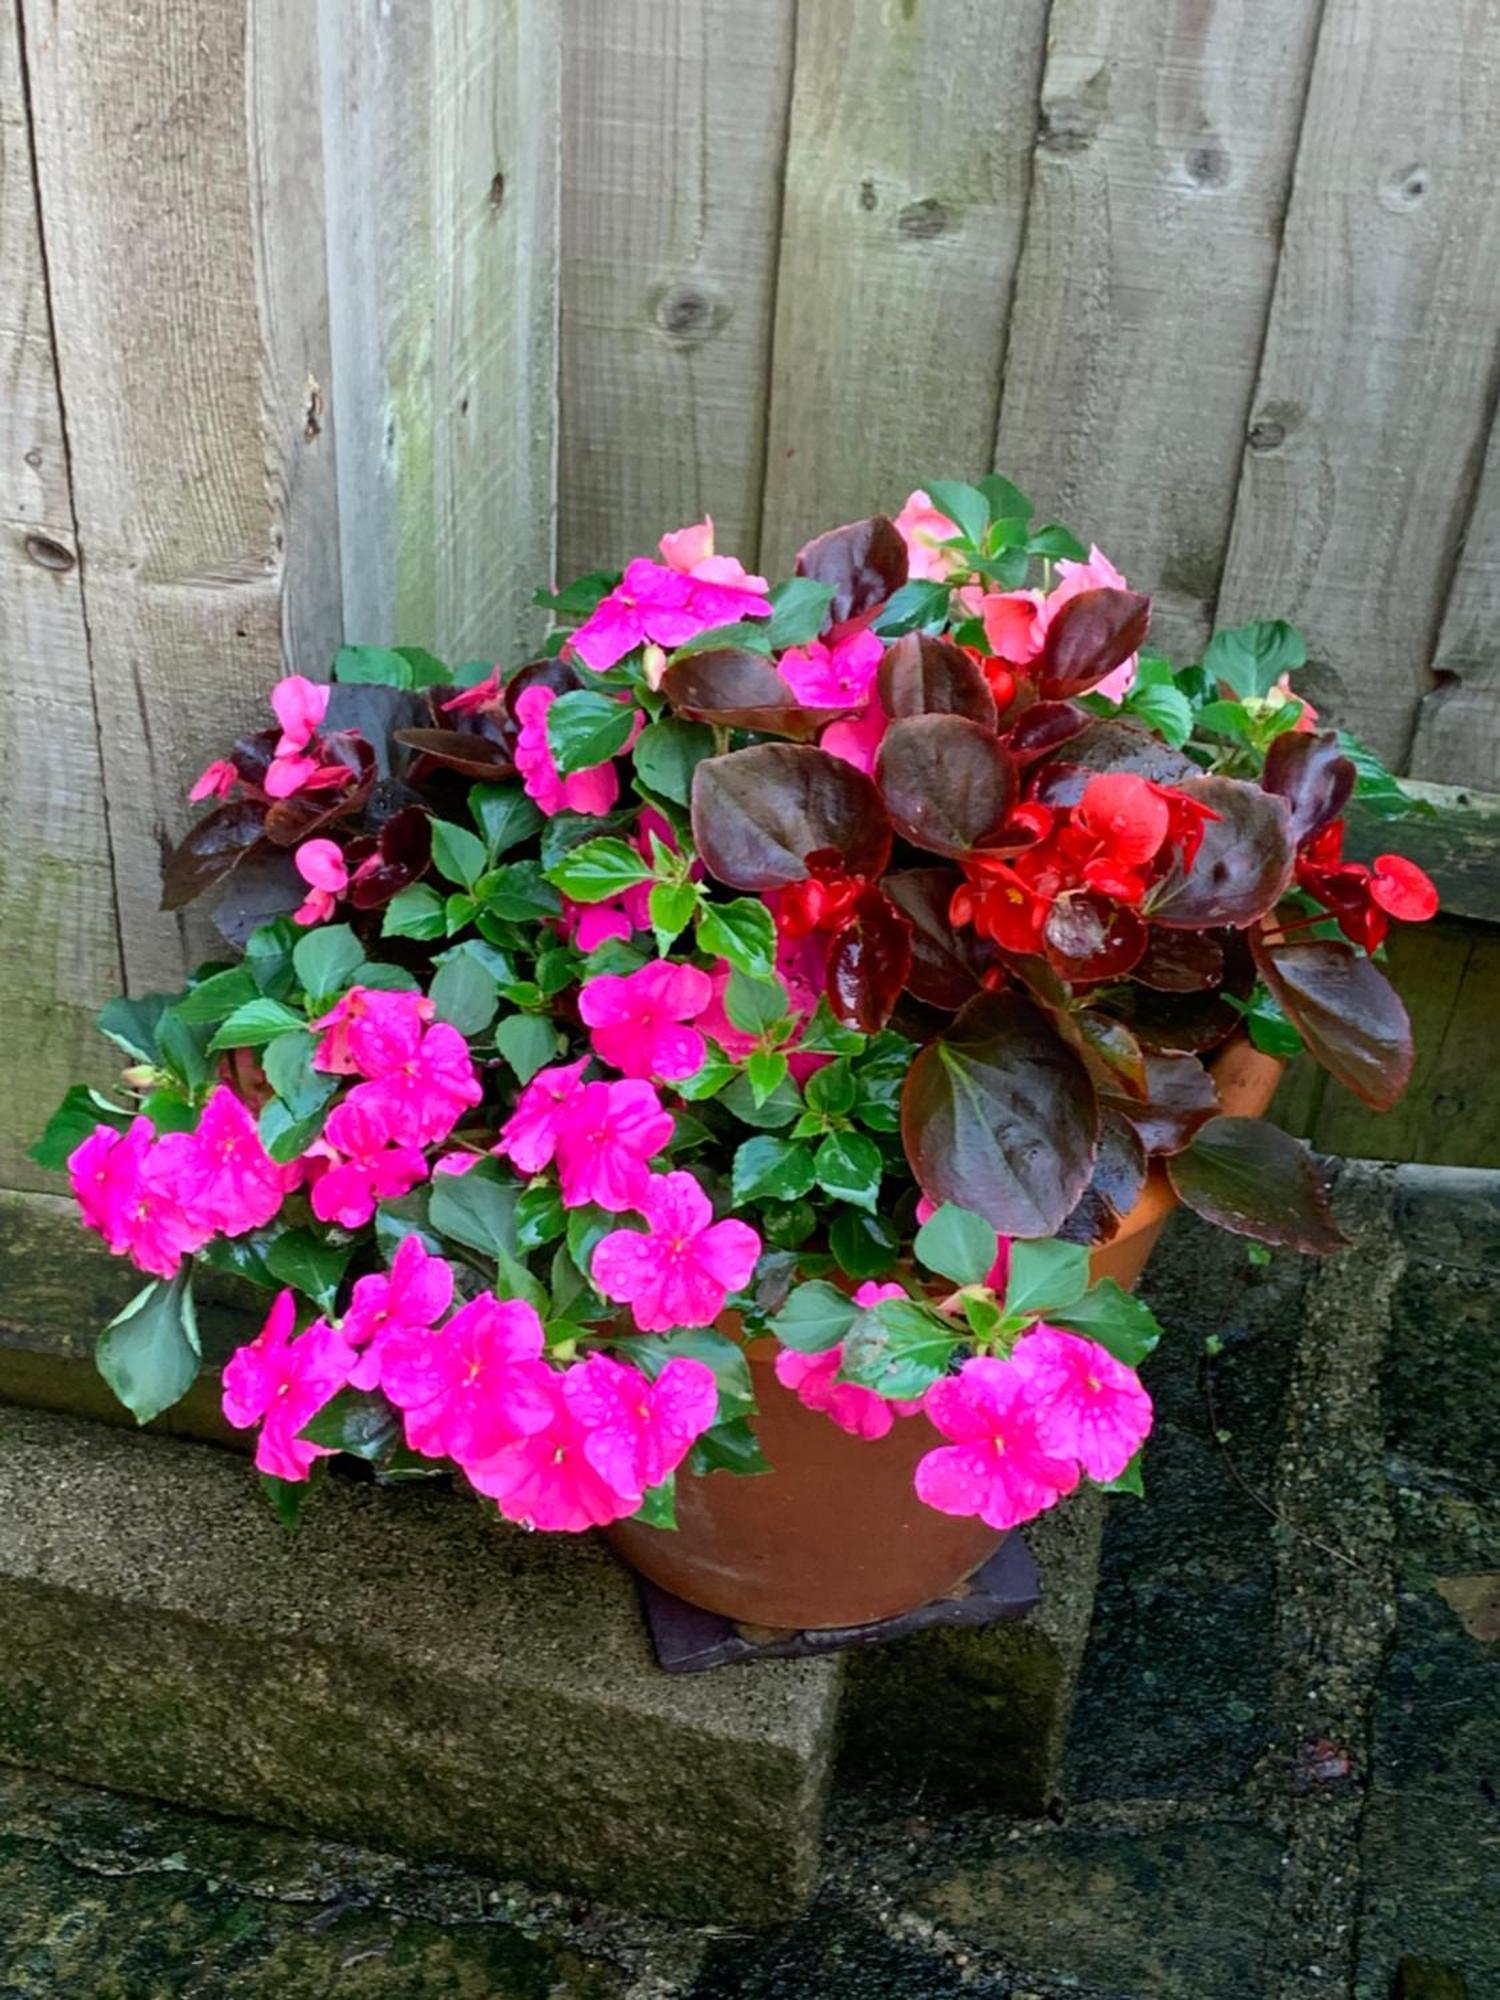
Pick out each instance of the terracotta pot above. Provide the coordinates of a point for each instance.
(835, 1535)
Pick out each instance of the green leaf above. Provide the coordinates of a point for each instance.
(464, 994)
(1268, 1026)
(667, 753)
(911, 607)
(899, 1349)
(957, 1244)
(754, 1005)
(815, 1317)
(355, 1420)
(457, 854)
(1252, 658)
(1007, 502)
(1119, 1321)
(746, 635)
(540, 1217)
(242, 1256)
(81, 1112)
(767, 1114)
(528, 1043)
(964, 505)
(658, 1508)
(287, 1496)
(1165, 710)
(598, 870)
(848, 1167)
(458, 912)
(864, 1245)
(477, 1208)
(396, 1220)
(716, 1350)
(284, 1136)
(380, 666)
(268, 956)
(1377, 791)
(583, 595)
(288, 1064)
(672, 906)
(131, 1024)
(518, 893)
(416, 912)
(587, 1227)
(1225, 718)
(1045, 1276)
(1054, 541)
(831, 1089)
(504, 815)
(303, 1260)
(389, 978)
(181, 1049)
(585, 728)
(765, 1072)
(427, 670)
(214, 999)
(255, 1024)
(766, 1168)
(1129, 1481)
(743, 932)
(149, 1353)
(169, 1112)
(327, 961)
(731, 1447)
(708, 1081)
(799, 611)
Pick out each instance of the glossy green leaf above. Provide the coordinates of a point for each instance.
(302, 1259)
(504, 815)
(1119, 1321)
(766, 1168)
(816, 1316)
(464, 994)
(599, 869)
(528, 1043)
(585, 728)
(957, 1244)
(253, 1025)
(741, 932)
(416, 913)
(458, 854)
(149, 1354)
(848, 1167)
(477, 1208)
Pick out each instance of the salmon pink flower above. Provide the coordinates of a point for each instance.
(683, 548)
(635, 1019)
(363, 1168)
(472, 1386)
(546, 1481)
(420, 1101)
(592, 791)
(636, 1432)
(217, 782)
(606, 1134)
(1013, 628)
(414, 1296)
(282, 1380)
(1085, 1404)
(371, 1032)
(235, 1183)
(528, 1138)
(996, 1465)
(300, 706)
(836, 676)
(320, 863)
(924, 530)
(681, 1270)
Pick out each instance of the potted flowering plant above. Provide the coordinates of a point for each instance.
(762, 1035)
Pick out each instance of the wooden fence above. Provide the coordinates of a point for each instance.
(327, 318)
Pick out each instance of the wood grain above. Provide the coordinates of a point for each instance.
(1162, 168)
(1372, 409)
(1458, 723)
(907, 175)
(61, 956)
(674, 127)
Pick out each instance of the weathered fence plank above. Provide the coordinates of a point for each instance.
(674, 129)
(143, 167)
(57, 914)
(907, 173)
(1372, 409)
(440, 136)
(1458, 724)
(1168, 129)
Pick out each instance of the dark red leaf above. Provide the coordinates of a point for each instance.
(1314, 777)
(1089, 937)
(1243, 866)
(1115, 1058)
(1181, 1096)
(1089, 637)
(555, 673)
(251, 756)
(1256, 1180)
(400, 858)
(759, 813)
(207, 852)
(1045, 727)
(865, 563)
(1110, 746)
(946, 963)
(304, 814)
(1177, 1023)
(947, 782)
(477, 754)
(868, 963)
(1346, 1011)
(1114, 1186)
(921, 675)
(265, 885)
(998, 1115)
(377, 713)
(741, 690)
(1181, 962)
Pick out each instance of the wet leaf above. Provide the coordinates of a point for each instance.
(1256, 1180)
(947, 782)
(1347, 1012)
(759, 813)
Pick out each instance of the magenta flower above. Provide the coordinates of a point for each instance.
(320, 863)
(681, 1270)
(636, 1017)
(131, 1188)
(420, 1101)
(667, 606)
(472, 1386)
(216, 782)
(235, 1185)
(303, 773)
(1086, 1404)
(282, 1381)
(415, 1295)
(857, 740)
(837, 676)
(636, 1432)
(546, 1481)
(996, 1465)
(591, 791)
(371, 1032)
(363, 1167)
(606, 1134)
(528, 1138)
(300, 706)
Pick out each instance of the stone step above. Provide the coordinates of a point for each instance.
(403, 1670)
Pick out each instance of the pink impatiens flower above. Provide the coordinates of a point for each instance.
(321, 865)
(924, 530)
(811, 1378)
(546, 1481)
(415, 1295)
(371, 1032)
(668, 606)
(471, 1386)
(420, 1100)
(636, 1017)
(363, 1167)
(679, 1272)
(836, 676)
(300, 706)
(130, 1187)
(857, 739)
(528, 1138)
(591, 791)
(636, 1432)
(996, 1465)
(234, 1183)
(282, 1381)
(1016, 621)
(606, 1134)
(1085, 1404)
(217, 782)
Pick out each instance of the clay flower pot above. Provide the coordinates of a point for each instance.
(834, 1535)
